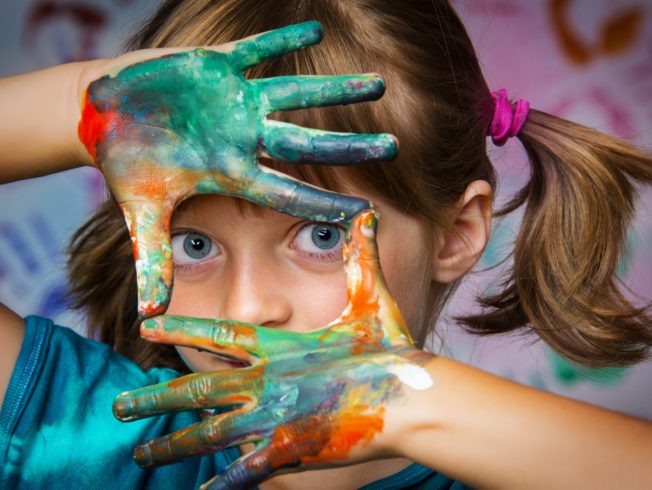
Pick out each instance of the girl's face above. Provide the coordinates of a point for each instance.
(259, 266)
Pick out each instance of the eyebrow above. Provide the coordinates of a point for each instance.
(188, 219)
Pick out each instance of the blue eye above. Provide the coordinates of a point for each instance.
(325, 236)
(193, 247)
(321, 240)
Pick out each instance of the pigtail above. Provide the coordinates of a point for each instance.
(579, 204)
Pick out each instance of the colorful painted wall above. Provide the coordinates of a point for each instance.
(586, 60)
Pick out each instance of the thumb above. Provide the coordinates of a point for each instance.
(365, 282)
(368, 297)
(149, 227)
(360, 249)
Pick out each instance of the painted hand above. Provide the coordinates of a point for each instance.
(308, 400)
(187, 123)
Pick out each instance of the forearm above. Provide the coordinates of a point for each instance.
(492, 433)
(38, 122)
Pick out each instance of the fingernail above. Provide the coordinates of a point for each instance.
(388, 149)
(369, 223)
(143, 456)
(123, 406)
(375, 84)
(150, 329)
(312, 31)
(148, 309)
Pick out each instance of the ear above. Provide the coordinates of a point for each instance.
(455, 254)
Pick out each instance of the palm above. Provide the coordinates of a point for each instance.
(197, 116)
(307, 399)
(189, 123)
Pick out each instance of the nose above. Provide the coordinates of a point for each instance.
(254, 293)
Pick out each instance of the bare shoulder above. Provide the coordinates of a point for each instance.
(12, 331)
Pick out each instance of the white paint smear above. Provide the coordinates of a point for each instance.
(414, 376)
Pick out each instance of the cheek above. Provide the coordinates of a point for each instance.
(195, 298)
(317, 298)
(406, 269)
(406, 283)
(314, 296)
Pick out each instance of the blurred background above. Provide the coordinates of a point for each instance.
(585, 60)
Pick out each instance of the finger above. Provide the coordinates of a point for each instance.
(295, 446)
(291, 143)
(288, 195)
(206, 437)
(246, 472)
(230, 338)
(198, 390)
(298, 92)
(236, 340)
(365, 282)
(367, 293)
(251, 51)
(149, 227)
(360, 247)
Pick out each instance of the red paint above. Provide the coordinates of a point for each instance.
(148, 311)
(92, 127)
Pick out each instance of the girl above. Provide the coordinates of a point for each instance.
(246, 264)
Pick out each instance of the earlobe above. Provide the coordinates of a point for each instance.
(456, 253)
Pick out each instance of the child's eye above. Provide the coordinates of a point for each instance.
(193, 247)
(322, 241)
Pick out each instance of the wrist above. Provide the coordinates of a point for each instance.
(413, 414)
(38, 123)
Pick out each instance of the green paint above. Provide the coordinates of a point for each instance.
(569, 374)
(306, 399)
(625, 259)
(190, 123)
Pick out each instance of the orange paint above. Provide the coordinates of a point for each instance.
(351, 428)
(147, 310)
(364, 297)
(134, 243)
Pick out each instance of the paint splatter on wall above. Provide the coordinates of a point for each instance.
(586, 60)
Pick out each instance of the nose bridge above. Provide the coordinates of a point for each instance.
(253, 293)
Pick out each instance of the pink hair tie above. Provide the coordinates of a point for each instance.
(507, 122)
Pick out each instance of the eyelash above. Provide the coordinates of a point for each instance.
(189, 267)
(326, 256)
(201, 263)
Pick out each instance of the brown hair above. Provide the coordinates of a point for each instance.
(579, 200)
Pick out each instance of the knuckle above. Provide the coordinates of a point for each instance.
(221, 333)
(209, 435)
(197, 390)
